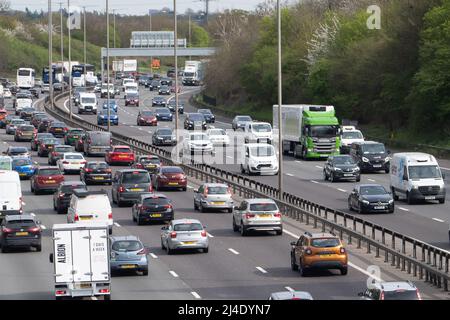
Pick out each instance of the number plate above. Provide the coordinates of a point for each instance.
(135, 189)
(380, 208)
(347, 175)
(325, 255)
(430, 198)
(122, 156)
(377, 165)
(98, 178)
(50, 181)
(83, 286)
(128, 266)
(86, 218)
(265, 215)
(189, 242)
(219, 202)
(173, 183)
(22, 174)
(157, 215)
(21, 233)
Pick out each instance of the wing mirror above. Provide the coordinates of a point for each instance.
(164, 228)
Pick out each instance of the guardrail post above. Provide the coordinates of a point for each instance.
(403, 245)
(393, 241)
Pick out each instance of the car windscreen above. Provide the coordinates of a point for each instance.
(125, 150)
(49, 172)
(243, 118)
(69, 188)
(165, 132)
(188, 227)
(163, 110)
(75, 132)
(58, 124)
(87, 100)
(18, 150)
(263, 207)
(26, 128)
(135, 177)
(401, 295)
(325, 243)
(205, 111)
(155, 201)
(19, 224)
(147, 113)
(343, 161)
(373, 148)
(43, 136)
(372, 190)
(199, 137)
(217, 190)
(17, 121)
(100, 139)
(262, 151)
(352, 135)
(424, 172)
(217, 132)
(126, 245)
(152, 161)
(73, 157)
(261, 128)
(196, 117)
(172, 170)
(323, 131)
(21, 162)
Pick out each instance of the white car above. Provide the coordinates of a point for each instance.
(197, 143)
(218, 136)
(7, 93)
(45, 88)
(71, 161)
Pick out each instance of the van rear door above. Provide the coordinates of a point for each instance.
(99, 255)
(81, 255)
(63, 256)
(11, 194)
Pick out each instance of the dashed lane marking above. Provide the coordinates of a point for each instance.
(117, 225)
(233, 251)
(154, 256)
(372, 180)
(342, 190)
(261, 269)
(196, 295)
(289, 289)
(319, 167)
(289, 174)
(173, 273)
(403, 209)
(209, 235)
(43, 227)
(438, 220)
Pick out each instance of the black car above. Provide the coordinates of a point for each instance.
(96, 172)
(152, 207)
(209, 116)
(129, 184)
(44, 125)
(164, 137)
(57, 153)
(34, 91)
(164, 90)
(166, 82)
(159, 101)
(163, 114)
(195, 121)
(38, 138)
(143, 80)
(370, 156)
(61, 198)
(171, 73)
(341, 168)
(20, 231)
(46, 146)
(26, 113)
(154, 85)
(171, 106)
(370, 198)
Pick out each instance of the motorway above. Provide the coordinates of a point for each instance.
(235, 267)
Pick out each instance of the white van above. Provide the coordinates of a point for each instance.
(259, 158)
(11, 193)
(131, 88)
(23, 103)
(88, 103)
(256, 132)
(127, 81)
(416, 176)
(349, 135)
(87, 206)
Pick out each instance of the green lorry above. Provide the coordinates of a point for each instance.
(308, 131)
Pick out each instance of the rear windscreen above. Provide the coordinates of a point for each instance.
(401, 295)
(325, 243)
(136, 177)
(126, 245)
(17, 224)
(97, 165)
(172, 170)
(100, 139)
(155, 201)
(263, 207)
(69, 188)
(188, 227)
(49, 172)
(126, 150)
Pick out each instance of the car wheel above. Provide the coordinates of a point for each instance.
(169, 251)
(119, 203)
(230, 210)
(163, 247)
(325, 177)
(441, 201)
(409, 199)
(184, 188)
(38, 248)
(145, 272)
(139, 221)
(202, 209)
(242, 169)
(60, 211)
(332, 178)
(358, 179)
(294, 266)
(279, 232)
(344, 271)
(195, 206)
(235, 227)
(5, 249)
(360, 210)
(395, 196)
(350, 208)
(243, 230)
(205, 250)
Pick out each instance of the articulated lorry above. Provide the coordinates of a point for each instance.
(193, 73)
(309, 131)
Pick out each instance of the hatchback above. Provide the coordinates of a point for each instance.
(12, 126)
(164, 137)
(120, 154)
(169, 177)
(257, 215)
(184, 234)
(24, 132)
(37, 138)
(163, 114)
(368, 198)
(213, 196)
(47, 145)
(37, 118)
(128, 254)
(96, 172)
(24, 166)
(72, 136)
(164, 89)
(152, 207)
(17, 152)
(20, 231)
(46, 179)
(209, 116)
(147, 162)
(61, 198)
(393, 290)
(71, 162)
(129, 184)
(146, 118)
(57, 153)
(341, 167)
(58, 129)
(159, 101)
(44, 124)
(132, 99)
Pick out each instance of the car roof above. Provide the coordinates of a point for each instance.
(395, 285)
(182, 221)
(121, 146)
(367, 142)
(72, 182)
(132, 170)
(291, 295)
(124, 238)
(369, 185)
(209, 184)
(153, 195)
(259, 200)
(19, 217)
(321, 235)
(72, 153)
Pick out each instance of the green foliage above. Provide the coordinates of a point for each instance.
(200, 38)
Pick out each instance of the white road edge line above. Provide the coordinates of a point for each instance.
(438, 220)
(289, 174)
(32, 214)
(94, 298)
(261, 269)
(319, 167)
(196, 295)
(43, 227)
(116, 224)
(371, 180)
(313, 181)
(173, 273)
(233, 251)
(209, 235)
(404, 209)
(154, 256)
(342, 190)
(190, 187)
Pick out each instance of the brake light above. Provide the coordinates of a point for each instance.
(382, 295)
(308, 251)
(6, 230)
(121, 189)
(76, 218)
(342, 250)
(249, 215)
(277, 215)
(61, 195)
(59, 292)
(104, 291)
(34, 229)
(173, 234)
(65, 162)
(203, 233)
(88, 170)
(110, 216)
(150, 188)
(418, 294)
(230, 191)
(168, 206)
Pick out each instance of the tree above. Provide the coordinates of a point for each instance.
(4, 5)
(200, 38)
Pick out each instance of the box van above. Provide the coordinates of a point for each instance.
(11, 193)
(88, 103)
(96, 143)
(259, 158)
(416, 176)
(256, 132)
(90, 206)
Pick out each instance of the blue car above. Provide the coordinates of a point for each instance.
(128, 254)
(102, 118)
(112, 105)
(24, 166)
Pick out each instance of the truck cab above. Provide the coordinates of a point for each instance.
(349, 135)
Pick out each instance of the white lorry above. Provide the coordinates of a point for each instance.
(349, 135)
(80, 257)
(193, 73)
(10, 193)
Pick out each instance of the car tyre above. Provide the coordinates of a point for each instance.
(409, 199)
(344, 271)
(39, 248)
(332, 178)
(145, 272)
(205, 250)
(243, 230)
(294, 266)
(163, 247)
(235, 227)
(279, 232)
(139, 221)
(169, 251)
(325, 176)
(394, 195)
(301, 270)
(195, 206)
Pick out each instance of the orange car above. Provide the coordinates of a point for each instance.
(318, 251)
(120, 154)
(3, 114)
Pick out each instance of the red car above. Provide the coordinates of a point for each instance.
(169, 177)
(120, 154)
(46, 179)
(58, 129)
(146, 118)
(172, 89)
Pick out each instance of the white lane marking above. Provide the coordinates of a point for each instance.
(319, 167)
(371, 180)
(190, 187)
(173, 273)
(32, 214)
(438, 220)
(94, 298)
(289, 174)
(404, 209)
(290, 233)
(196, 295)
(116, 224)
(140, 129)
(230, 157)
(209, 235)
(313, 181)
(289, 289)
(233, 251)
(342, 190)
(154, 256)
(43, 227)
(298, 161)
(261, 269)
(24, 204)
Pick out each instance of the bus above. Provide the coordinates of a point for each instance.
(78, 72)
(25, 78)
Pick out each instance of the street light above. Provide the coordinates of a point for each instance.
(50, 48)
(107, 65)
(280, 104)
(176, 69)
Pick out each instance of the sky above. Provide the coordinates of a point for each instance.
(139, 7)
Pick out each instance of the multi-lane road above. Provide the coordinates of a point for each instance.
(235, 267)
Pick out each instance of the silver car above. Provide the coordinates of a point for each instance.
(212, 196)
(257, 215)
(184, 234)
(240, 121)
(291, 295)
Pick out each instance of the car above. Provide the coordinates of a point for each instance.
(12, 126)
(164, 90)
(57, 153)
(37, 138)
(370, 156)
(58, 87)
(171, 73)
(370, 198)
(146, 118)
(129, 184)
(169, 177)
(61, 197)
(7, 93)
(104, 90)
(20, 231)
(257, 215)
(171, 105)
(71, 162)
(166, 81)
(172, 88)
(96, 172)
(291, 295)
(164, 137)
(154, 85)
(184, 234)
(72, 136)
(98, 88)
(318, 251)
(58, 129)
(213, 196)
(197, 143)
(24, 166)
(46, 179)
(44, 124)
(24, 132)
(46, 146)
(120, 154)
(159, 101)
(76, 94)
(79, 143)
(151, 163)
(112, 105)
(37, 118)
(35, 92)
(132, 99)
(128, 254)
(3, 115)
(391, 290)
(208, 115)
(96, 143)
(218, 137)
(195, 121)
(260, 159)
(45, 88)
(163, 114)
(7, 119)
(143, 80)
(240, 121)
(13, 151)
(341, 167)
(152, 207)
(102, 118)
(26, 113)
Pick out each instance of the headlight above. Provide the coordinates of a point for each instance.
(337, 169)
(159, 138)
(365, 202)
(204, 122)
(391, 201)
(414, 187)
(387, 159)
(356, 169)
(310, 149)
(364, 159)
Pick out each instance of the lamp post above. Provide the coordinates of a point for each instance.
(280, 104)
(62, 41)
(84, 43)
(107, 65)
(70, 66)
(50, 47)
(176, 69)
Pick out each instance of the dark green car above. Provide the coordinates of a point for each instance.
(73, 135)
